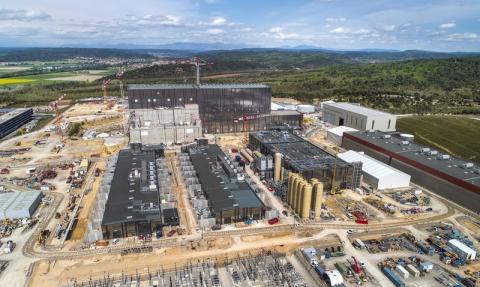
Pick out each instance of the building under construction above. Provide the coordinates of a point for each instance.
(218, 185)
(222, 108)
(130, 200)
(293, 154)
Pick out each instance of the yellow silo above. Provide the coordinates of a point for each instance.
(296, 193)
(292, 189)
(318, 195)
(307, 200)
(298, 206)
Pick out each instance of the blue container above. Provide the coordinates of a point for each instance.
(393, 277)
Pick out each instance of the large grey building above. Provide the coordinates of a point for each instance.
(357, 117)
(13, 120)
(453, 178)
(230, 198)
(223, 108)
(301, 156)
(15, 205)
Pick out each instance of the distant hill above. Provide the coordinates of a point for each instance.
(59, 54)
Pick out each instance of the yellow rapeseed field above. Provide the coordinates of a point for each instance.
(9, 81)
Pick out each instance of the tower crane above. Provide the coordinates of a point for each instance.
(57, 121)
(197, 62)
(120, 77)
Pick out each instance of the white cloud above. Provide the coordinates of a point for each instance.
(23, 15)
(276, 29)
(215, 31)
(448, 25)
(341, 30)
(463, 36)
(389, 28)
(279, 33)
(335, 20)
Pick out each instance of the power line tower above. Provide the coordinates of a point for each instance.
(197, 62)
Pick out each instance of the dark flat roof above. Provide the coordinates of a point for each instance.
(413, 151)
(298, 152)
(192, 86)
(131, 198)
(11, 114)
(222, 192)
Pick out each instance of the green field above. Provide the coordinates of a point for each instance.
(454, 134)
(48, 78)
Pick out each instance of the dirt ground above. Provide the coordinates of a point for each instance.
(229, 141)
(77, 78)
(86, 207)
(469, 224)
(47, 274)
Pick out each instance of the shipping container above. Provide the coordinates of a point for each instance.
(394, 278)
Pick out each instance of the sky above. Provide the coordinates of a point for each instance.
(437, 25)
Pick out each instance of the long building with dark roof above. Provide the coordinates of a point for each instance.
(230, 197)
(222, 107)
(13, 120)
(133, 206)
(451, 177)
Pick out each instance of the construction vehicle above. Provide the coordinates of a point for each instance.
(356, 266)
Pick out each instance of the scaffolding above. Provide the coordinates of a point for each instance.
(94, 227)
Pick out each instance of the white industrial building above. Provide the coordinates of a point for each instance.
(462, 250)
(19, 204)
(358, 117)
(335, 134)
(378, 174)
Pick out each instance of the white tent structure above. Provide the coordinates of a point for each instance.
(377, 173)
(335, 134)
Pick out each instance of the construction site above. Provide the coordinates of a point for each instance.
(207, 185)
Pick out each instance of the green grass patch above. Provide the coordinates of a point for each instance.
(455, 134)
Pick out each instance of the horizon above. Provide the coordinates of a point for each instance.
(437, 26)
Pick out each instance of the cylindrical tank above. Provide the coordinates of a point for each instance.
(318, 194)
(257, 154)
(278, 166)
(313, 182)
(293, 189)
(246, 155)
(298, 189)
(289, 189)
(307, 199)
(298, 206)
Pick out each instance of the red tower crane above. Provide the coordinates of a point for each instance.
(57, 122)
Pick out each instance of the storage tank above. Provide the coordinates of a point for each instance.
(289, 189)
(318, 194)
(305, 109)
(307, 200)
(246, 155)
(278, 166)
(293, 197)
(299, 201)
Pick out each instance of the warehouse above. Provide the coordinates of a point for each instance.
(133, 203)
(462, 250)
(357, 117)
(301, 156)
(451, 177)
(15, 205)
(335, 134)
(230, 197)
(222, 107)
(13, 120)
(378, 174)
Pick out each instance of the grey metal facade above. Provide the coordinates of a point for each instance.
(221, 107)
(13, 120)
